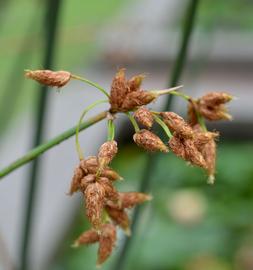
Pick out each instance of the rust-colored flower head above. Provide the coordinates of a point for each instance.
(212, 106)
(49, 77)
(144, 117)
(135, 82)
(107, 241)
(149, 141)
(130, 199)
(94, 203)
(86, 238)
(177, 124)
(120, 218)
(111, 174)
(119, 89)
(106, 153)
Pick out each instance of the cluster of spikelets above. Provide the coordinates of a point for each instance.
(106, 208)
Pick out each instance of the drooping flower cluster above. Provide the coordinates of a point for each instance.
(105, 207)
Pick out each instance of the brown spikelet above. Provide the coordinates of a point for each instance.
(191, 113)
(110, 191)
(76, 179)
(149, 141)
(119, 89)
(212, 106)
(106, 153)
(202, 138)
(130, 199)
(107, 241)
(86, 238)
(111, 174)
(193, 155)
(135, 83)
(136, 99)
(49, 77)
(144, 117)
(177, 124)
(94, 203)
(87, 180)
(119, 217)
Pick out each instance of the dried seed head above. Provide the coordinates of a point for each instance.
(177, 124)
(212, 106)
(144, 117)
(202, 138)
(119, 89)
(135, 82)
(119, 217)
(130, 199)
(107, 241)
(106, 153)
(110, 192)
(94, 203)
(149, 141)
(136, 99)
(86, 238)
(76, 179)
(48, 77)
(87, 180)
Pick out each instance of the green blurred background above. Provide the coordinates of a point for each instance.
(189, 225)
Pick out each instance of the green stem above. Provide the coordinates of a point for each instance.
(166, 91)
(111, 130)
(133, 121)
(180, 94)
(99, 87)
(201, 121)
(163, 125)
(34, 153)
(78, 147)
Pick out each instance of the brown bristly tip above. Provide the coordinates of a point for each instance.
(177, 124)
(94, 203)
(86, 238)
(106, 153)
(135, 82)
(136, 99)
(107, 241)
(144, 117)
(130, 199)
(119, 217)
(49, 77)
(149, 141)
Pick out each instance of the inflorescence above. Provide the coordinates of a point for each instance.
(106, 207)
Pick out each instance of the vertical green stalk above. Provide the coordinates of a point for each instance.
(50, 24)
(149, 169)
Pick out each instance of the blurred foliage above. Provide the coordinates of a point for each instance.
(227, 15)
(22, 45)
(189, 225)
